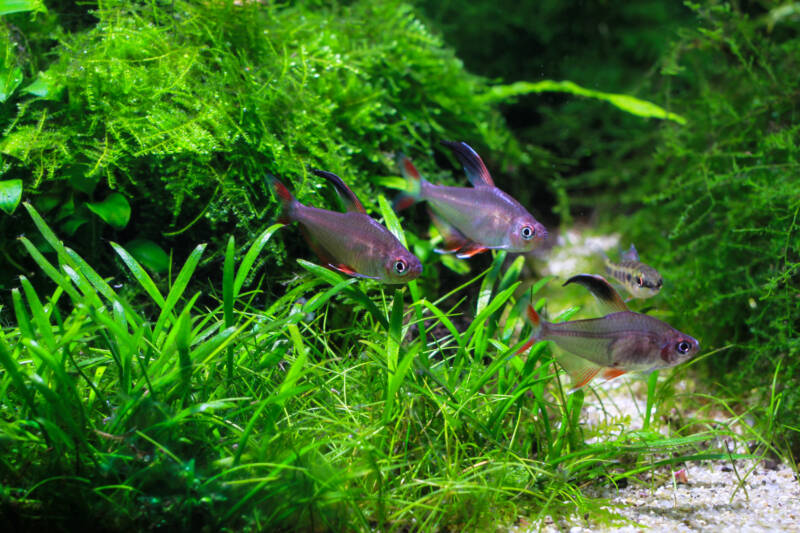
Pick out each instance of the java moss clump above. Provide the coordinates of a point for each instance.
(183, 107)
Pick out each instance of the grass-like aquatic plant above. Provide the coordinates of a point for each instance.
(243, 412)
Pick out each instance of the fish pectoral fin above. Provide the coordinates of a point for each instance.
(581, 371)
(471, 250)
(607, 296)
(611, 373)
(344, 269)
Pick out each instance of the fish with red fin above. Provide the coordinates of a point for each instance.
(351, 242)
(473, 219)
(622, 341)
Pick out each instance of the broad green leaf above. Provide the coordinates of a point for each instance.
(10, 78)
(631, 104)
(18, 6)
(73, 223)
(149, 254)
(10, 195)
(44, 86)
(114, 210)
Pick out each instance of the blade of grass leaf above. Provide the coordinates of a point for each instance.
(176, 291)
(250, 257)
(139, 274)
(227, 296)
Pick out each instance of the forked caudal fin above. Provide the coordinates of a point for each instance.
(536, 322)
(414, 184)
(284, 196)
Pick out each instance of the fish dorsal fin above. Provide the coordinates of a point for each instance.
(351, 201)
(607, 297)
(476, 171)
(631, 254)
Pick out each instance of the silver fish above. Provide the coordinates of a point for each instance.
(353, 242)
(621, 341)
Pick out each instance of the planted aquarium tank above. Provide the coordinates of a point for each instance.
(398, 265)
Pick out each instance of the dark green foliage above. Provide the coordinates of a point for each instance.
(183, 107)
(604, 46)
(717, 205)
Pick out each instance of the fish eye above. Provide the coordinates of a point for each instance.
(683, 347)
(400, 266)
(527, 232)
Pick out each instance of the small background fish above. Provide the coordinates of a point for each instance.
(640, 280)
(350, 242)
(473, 219)
(621, 341)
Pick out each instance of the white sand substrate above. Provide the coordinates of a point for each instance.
(713, 496)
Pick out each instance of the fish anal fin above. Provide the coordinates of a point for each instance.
(316, 247)
(611, 373)
(581, 371)
(476, 171)
(607, 296)
(583, 379)
(453, 240)
(470, 250)
(345, 269)
(351, 201)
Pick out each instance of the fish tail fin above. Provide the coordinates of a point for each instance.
(538, 324)
(284, 196)
(413, 186)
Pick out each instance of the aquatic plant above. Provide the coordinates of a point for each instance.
(139, 407)
(183, 107)
(716, 203)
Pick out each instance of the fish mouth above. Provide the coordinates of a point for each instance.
(415, 270)
(541, 233)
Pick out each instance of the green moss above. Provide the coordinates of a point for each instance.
(716, 205)
(183, 107)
